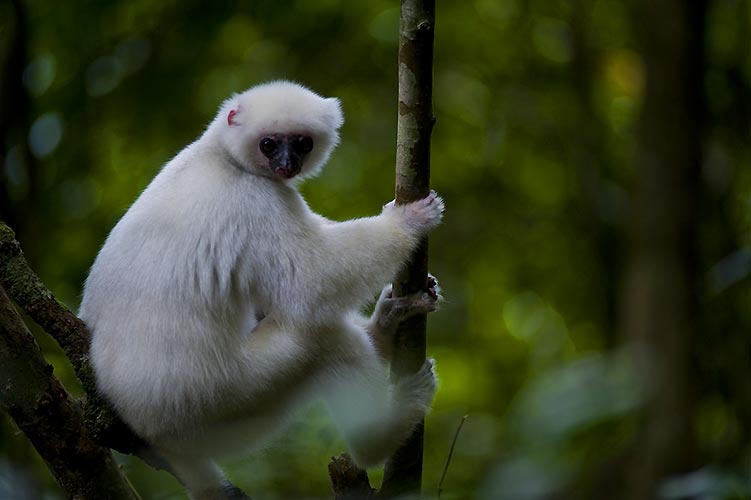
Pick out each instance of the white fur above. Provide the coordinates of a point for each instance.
(217, 242)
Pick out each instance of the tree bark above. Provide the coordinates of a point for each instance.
(348, 481)
(27, 290)
(403, 472)
(660, 300)
(51, 419)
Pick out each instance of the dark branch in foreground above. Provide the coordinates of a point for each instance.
(28, 291)
(99, 423)
(51, 419)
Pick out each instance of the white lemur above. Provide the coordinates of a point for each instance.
(221, 300)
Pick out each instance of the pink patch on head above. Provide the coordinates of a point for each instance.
(231, 118)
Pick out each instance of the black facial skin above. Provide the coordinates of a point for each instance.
(285, 152)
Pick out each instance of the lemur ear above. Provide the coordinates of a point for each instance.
(335, 115)
(231, 120)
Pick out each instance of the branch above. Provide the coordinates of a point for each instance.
(51, 418)
(403, 472)
(28, 291)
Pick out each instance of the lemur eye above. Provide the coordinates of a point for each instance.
(305, 145)
(267, 145)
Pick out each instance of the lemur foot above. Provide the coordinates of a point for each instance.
(420, 387)
(392, 310)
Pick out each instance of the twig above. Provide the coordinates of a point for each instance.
(451, 452)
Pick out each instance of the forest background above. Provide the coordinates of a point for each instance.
(596, 252)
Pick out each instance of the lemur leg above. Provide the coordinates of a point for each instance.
(390, 311)
(374, 415)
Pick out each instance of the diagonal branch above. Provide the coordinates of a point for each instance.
(51, 419)
(28, 291)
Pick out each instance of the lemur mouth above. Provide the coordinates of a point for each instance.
(287, 171)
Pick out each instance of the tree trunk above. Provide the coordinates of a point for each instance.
(403, 472)
(660, 297)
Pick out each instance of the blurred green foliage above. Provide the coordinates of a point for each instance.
(536, 105)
